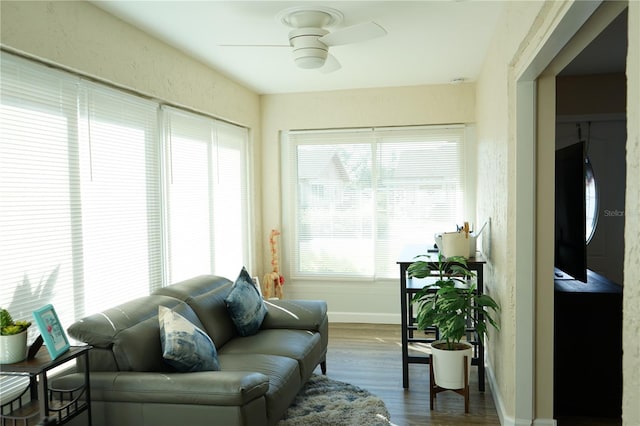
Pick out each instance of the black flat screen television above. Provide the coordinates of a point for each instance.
(570, 218)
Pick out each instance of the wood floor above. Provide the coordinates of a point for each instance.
(370, 356)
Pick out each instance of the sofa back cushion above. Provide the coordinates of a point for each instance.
(127, 337)
(206, 295)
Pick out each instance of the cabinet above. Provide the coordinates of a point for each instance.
(587, 348)
(61, 404)
(408, 287)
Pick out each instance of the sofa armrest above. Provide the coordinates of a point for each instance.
(295, 314)
(231, 388)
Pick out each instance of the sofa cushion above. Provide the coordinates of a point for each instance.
(99, 330)
(205, 294)
(200, 388)
(127, 337)
(303, 346)
(245, 305)
(184, 345)
(138, 348)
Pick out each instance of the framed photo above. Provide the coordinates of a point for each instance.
(51, 330)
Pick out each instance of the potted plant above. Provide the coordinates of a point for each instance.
(450, 303)
(13, 338)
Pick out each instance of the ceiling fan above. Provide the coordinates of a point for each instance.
(310, 40)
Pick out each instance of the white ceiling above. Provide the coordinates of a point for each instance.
(427, 42)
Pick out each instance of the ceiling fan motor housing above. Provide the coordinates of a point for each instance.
(308, 50)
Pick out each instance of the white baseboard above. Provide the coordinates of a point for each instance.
(364, 317)
(506, 420)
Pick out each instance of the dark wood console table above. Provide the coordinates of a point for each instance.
(408, 287)
(587, 347)
(61, 404)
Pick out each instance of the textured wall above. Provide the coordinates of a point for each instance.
(631, 301)
(496, 186)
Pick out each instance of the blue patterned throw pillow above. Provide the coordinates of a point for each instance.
(185, 346)
(245, 305)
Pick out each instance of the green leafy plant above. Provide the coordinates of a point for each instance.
(8, 326)
(450, 302)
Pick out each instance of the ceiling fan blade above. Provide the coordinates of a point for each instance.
(254, 45)
(331, 64)
(353, 34)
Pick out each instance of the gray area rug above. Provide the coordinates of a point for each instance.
(326, 402)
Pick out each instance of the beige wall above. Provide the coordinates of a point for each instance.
(496, 189)
(81, 37)
(631, 300)
(416, 105)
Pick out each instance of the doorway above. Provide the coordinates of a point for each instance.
(536, 109)
(591, 121)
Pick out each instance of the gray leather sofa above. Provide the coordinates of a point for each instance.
(260, 375)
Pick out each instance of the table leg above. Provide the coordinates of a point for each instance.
(87, 383)
(43, 401)
(404, 322)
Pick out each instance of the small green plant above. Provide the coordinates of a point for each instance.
(8, 326)
(451, 303)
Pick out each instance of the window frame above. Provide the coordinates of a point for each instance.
(289, 193)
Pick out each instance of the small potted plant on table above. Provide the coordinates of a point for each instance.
(451, 303)
(13, 338)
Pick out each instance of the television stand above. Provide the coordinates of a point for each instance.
(587, 347)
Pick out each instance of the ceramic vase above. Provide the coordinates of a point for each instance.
(13, 348)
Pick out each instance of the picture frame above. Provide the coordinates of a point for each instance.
(51, 331)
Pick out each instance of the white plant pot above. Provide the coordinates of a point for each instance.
(448, 366)
(13, 348)
(456, 244)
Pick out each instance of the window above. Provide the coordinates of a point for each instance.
(207, 196)
(356, 197)
(118, 202)
(98, 205)
(80, 207)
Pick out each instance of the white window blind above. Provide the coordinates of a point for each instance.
(85, 194)
(207, 196)
(80, 206)
(38, 190)
(119, 196)
(356, 197)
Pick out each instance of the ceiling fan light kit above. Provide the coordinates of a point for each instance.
(309, 58)
(310, 41)
(308, 50)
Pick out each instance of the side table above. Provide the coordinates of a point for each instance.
(62, 404)
(408, 321)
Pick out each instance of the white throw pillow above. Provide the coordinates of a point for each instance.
(185, 346)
